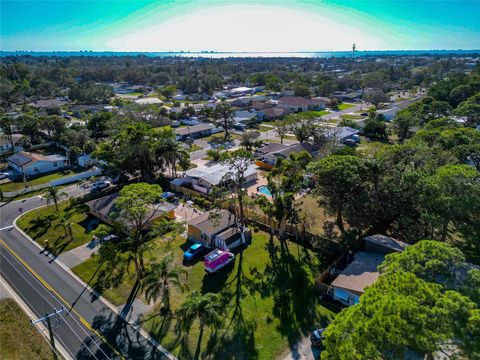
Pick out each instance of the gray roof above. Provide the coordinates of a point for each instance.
(360, 273)
(193, 129)
(106, 206)
(244, 115)
(212, 223)
(341, 132)
(272, 147)
(386, 242)
(47, 103)
(215, 174)
(295, 148)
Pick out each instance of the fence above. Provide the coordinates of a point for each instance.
(57, 182)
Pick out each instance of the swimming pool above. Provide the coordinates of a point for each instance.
(264, 190)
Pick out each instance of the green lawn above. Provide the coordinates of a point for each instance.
(194, 147)
(19, 339)
(266, 308)
(352, 117)
(46, 223)
(344, 106)
(17, 185)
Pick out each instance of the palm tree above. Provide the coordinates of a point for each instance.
(161, 277)
(53, 194)
(204, 307)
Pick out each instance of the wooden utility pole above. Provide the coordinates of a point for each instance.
(46, 319)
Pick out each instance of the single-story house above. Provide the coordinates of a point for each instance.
(242, 101)
(105, 210)
(268, 155)
(363, 270)
(360, 273)
(195, 132)
(32, 164)
(247, 118)
(48, 104)
(217, 230)
(204, 178)
(260, 105)
(298, 104)
(274, 113)
(241, 91)
(191, 121)
(5, 145)
(347, 96)
(342, 134)
(78, 110)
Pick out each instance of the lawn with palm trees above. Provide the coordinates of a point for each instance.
(65, 228)
(256, 309)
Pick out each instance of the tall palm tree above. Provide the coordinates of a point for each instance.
(53, 194)
(204, 307)
(161, 277)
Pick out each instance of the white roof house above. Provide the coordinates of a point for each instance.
(204, 178)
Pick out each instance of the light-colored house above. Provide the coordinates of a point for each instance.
(341, 134)
(33, 164)
(298, 104)
(217, 230)
(247, 118)
(105, 210)
(6, 146)
(204, 178)
(273, 113)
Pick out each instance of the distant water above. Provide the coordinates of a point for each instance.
(220, 55)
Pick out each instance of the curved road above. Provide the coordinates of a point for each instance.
(88, 328)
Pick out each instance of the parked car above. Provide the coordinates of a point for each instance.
(217, 259)
(110, 237)
(317, 337)
(193, 252)
(100, 185)
(3, 175)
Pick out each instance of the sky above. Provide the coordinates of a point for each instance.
(238, 26)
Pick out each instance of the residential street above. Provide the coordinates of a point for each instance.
(88, 328)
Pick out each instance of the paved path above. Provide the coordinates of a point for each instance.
(79, 254)
(303, 351)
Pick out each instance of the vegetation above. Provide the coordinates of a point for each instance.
(20, 340)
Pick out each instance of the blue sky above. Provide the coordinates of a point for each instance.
(223, 25)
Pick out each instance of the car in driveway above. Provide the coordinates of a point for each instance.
(217, 260)
(100, 185)
(194, 251)
(317, 337)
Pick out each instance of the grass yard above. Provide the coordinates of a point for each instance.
(194, 147)
(344, 106)
(352, 117)
(265, 306)
(46, 223)
(19, 339)
(18, 185)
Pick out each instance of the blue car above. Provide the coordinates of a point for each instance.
(193, 251)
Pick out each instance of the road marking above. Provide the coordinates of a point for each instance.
(7, 227)
(48, 287)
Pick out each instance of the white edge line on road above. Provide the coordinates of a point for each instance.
(39, 325)
(145, 334)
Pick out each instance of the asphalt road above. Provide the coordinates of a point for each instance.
(87, 328)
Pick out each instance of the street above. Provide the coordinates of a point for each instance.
(88, 328)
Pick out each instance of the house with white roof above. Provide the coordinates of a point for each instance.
(204, 178)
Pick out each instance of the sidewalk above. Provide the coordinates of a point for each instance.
(79, 254)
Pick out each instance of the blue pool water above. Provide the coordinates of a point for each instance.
(264, 190)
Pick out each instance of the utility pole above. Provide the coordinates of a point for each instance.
(46, 319)
(354, 47)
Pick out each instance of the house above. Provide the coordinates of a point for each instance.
(6, 146)
(241, 91)
(260, 105)
(360, 273)
(105, 210)
(274, 113)
(342, 134)
(317, 103)
(191, 121)
(242, 101)
(33, 164)
(247, 118)
(268, 155)
(195, 132)
(217, 230)
(79, 110)
(293, 103)
(204, 178)
(48, 104)
(350, 284)
(347, 96)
